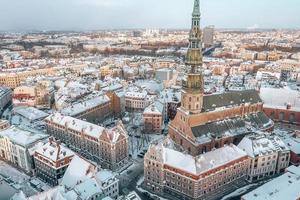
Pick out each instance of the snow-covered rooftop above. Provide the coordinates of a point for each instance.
(104, 176)
(260, 145)
(81, 107)
(22, 137)
(54, 151)
(205, 162)
(79, 170)
(139, 95)
(88, 189)
(280, 98)
(77, 125)
(31, 113)
(285, 186)
(155, 108)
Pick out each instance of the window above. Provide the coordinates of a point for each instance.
(281, 116)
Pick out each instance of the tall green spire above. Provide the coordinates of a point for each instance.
(194, 54)
(196, 10)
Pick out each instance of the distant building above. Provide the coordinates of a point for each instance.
(40, 95)
(285, 75)
(269, 155)
(15, 144)
(186, 177)
(51, 161)
(108, 147)
(208, 36)
(137, 33)
(164, 74)
(285, 186)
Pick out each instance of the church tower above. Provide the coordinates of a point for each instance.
(193, 86)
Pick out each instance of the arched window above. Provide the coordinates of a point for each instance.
(292, 118)
(281, 116)
(272, 116)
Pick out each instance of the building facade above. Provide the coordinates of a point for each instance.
(108, 147)
(208, 36)
(173, 173)
(136, 101)
(51, 161)
(153, 118)
(269, 155)
(94, 109)
(15, 145)
(39, 95)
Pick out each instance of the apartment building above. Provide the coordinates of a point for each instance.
(94, 109)
(269, 155)
(153, 117)
(39, 95)
(136, 101)
(177, 174)
(108, 147)
(51, 161)
(15, 145)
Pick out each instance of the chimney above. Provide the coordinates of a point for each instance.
(58, 149)
(288, 106)
(51, 140)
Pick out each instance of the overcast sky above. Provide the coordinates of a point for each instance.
(115, 14)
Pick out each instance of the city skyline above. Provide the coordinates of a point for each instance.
(80, 15)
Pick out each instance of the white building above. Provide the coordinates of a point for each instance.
(83, 175)
(208, 35)
(15, 144)
(164, 74)
(269, 155)
(108, 183)
(136, 101)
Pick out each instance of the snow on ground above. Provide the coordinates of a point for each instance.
(151, 194)
(140, 181)
(19, 180)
